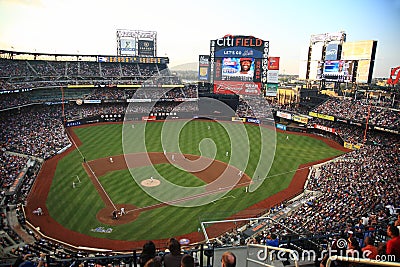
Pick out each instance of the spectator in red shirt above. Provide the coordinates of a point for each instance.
(393, 245)
(370, 250)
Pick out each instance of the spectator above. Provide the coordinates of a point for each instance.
(174, 257)
(272, 241)
(397, 222)
(148, 252)
(228, 259)
(29, 262)
(369, 251)
(187, 261)
(336, 250)
(393, 245)
(354, 249)
(154, 262)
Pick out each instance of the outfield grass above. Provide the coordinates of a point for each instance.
(76, 208)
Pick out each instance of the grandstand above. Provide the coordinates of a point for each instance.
(41, 98)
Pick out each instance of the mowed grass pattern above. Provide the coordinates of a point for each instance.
(76, 208)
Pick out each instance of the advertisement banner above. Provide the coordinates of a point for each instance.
(204, 61)
(238, 52)
(273, 63)
(240, 88)
(271, 89)
(324, 128)
(138, 100)
(332, 52)
(253, 120)
(300, 119)
(232, 41)
(89, 120)
(322, 116)
(146, 48)
(284, 115)
(80, 86)
(238, 119)
(273, 76)
(92, 101)
(148, 118)
(111, 117)
(351, 146)
(128, 46)
(281, 126)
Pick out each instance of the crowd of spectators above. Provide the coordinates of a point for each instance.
(13, 69)
(255, 107)
(107, 93)
(10, 197)
(75, 112)
(9, 170)
(13, 100)
(35, 131)
(355, 195)
(259, 107)
(40, 74)
(103, 93)
(368, 175)
(343, 186)
(359, 111)
(188, 91)
(355, 134)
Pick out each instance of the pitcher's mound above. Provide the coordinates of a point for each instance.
(150, 182)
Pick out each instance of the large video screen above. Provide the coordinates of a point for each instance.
(338, 71)
(237, 69)
(238, 64)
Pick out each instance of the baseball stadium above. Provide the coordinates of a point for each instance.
(103, 155)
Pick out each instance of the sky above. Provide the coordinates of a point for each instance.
(185, 28)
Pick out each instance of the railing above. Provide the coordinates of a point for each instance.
(360, 261)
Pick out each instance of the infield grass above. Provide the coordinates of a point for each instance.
(76, 209)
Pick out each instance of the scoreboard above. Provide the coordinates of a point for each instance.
(238, 64)
(136, 43)
(127, 59)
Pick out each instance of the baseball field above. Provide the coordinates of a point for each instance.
(162, 194)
